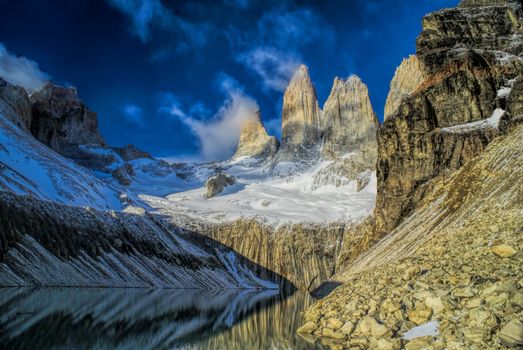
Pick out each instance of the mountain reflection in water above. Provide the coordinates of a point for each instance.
(91, 318)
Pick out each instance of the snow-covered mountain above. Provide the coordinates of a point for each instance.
(52, 150)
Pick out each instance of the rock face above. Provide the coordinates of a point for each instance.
(301, 119)
(304, 254)
(407, 78)
(51, 244)
(216, 184)
(15, 105)
(62, 121)
(421, 271)
(475, 24)
(350, 123)
(468, 55)
(254, 141)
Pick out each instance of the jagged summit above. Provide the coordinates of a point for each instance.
(301, 118)
(254, 140)
(408, 76)
(14, 104)
(61, 120)
(349, 121)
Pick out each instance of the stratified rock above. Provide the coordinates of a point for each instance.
(349, 123)
(15, 105)
(216, 183)
(477, 24)
(254, 140)
(301, 120)
(62, 121)
(456, 111)
(407, 78)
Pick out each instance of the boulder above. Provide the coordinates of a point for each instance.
(216, 183)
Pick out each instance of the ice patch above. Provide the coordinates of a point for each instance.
(427, 329)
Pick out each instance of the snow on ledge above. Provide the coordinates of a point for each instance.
(491, 122)
(427, 329)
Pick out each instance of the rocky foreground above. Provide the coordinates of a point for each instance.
(438, 266)
(455, 265)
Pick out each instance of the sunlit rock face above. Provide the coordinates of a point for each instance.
(350, 123)
(471, 57)
(407, 78)
(15, 105)
(62, 121)
(254, 140)
(301, 119)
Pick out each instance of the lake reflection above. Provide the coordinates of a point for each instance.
(91, 318)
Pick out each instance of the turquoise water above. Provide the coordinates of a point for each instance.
(92, 318)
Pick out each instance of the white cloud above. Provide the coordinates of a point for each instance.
(274, 67)
(21, 71)
(273, 50)
(147, 15)
(133, 114)
(218, 136)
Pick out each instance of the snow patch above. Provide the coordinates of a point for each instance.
(427, 329)
(491, 122)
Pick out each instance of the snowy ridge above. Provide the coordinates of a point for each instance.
(29, 167)
(316, 195)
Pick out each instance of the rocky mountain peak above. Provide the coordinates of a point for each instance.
(301, 118)
(254, 140)
(408, 76)
(349, 121)
(14, 104)
(61, 120)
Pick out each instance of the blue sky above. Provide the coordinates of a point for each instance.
(174, 77)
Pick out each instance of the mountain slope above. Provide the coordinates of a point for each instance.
(51, 244)
(456, 260)
(29, 167)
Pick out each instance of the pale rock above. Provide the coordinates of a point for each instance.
(347, 328)
(385, 344)
(417, 344)
(307, 328)
(435, 303)
(475, 334)
(215, 184)
(511, 334)
(334, 323)
(420, 314)
(349, 122)
(254, 140)
(465, 292)
(301, 120)
(407, 78)
(365, 326)
(329, 333)
(503, 250)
